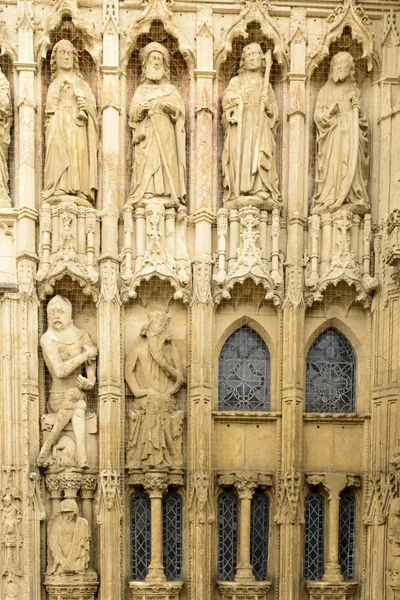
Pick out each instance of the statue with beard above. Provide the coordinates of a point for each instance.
(154, 375)
(342, 142)
(157, 118)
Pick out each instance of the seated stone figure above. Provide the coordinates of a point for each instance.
(69, 541)
(66, 349)
(154, 374)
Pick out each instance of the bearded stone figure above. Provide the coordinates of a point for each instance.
(6, 120)
(71, 130)
(157, 119)
(342, 142)
(66, 350)
(69, 541)
(154, 375)
(250, 117)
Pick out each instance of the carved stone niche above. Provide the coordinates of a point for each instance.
(393, 242)
(339, 249)
(256, 590)
(248, 248)
(155, 246)
(8, 266)
(319, 590)
(69, 243)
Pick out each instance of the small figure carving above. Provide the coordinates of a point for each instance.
(69, 541)
(6, 120)
(154, 374)
(250, 117)
(66, 349)
(342, 140)
(71, 130)
(11, 538)
(201, 501)
(157, 118)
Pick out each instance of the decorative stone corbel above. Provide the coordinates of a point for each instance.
(289, 488)
(254, 11)
(346, 14)
(381, 491)
(109, 498)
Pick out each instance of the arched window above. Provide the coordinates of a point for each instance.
(331, 374)
(314, 512)
(244, 372)
(140, 535)
(172, 536)
(347, 526)
(259, 535)
(227, 535)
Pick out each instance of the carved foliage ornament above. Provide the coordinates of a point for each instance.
(254, 11)
(346, 14)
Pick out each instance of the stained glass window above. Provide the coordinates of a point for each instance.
(331, 374)
(259, 535)
(140, 535)
(314, 536)
(227, 535)
(244, 372)
(172, 536)
(347, 527)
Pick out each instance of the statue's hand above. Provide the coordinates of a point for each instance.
(234, 101)
(91, 351)
(169, 108)
(267, 105)
(333, 109)
(144, 109)
(84, 383)
(354, 101)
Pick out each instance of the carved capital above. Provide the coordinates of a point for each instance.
(156, 484)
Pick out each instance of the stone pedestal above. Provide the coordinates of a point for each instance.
(318, 590)
(145, 590)
(75, 587)
(255, 590)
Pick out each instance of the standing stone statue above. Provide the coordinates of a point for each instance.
(66, 350)
(394, 547)
(71, 129)
(342, 142)
(69, 541)
(250, 116)
(157, 118)
(154, 374)
(5, 126)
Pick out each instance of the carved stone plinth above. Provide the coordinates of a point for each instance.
(318, 590)
(165, 590)
(256, 590)
(75, 587)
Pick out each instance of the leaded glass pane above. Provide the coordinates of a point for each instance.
(347, 528)
(227, 536)
(244, 372)
(259, 535)
(314, 536)
(331, 374)
(172, 536)
(140, 535)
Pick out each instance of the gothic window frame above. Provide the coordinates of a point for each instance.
(141, 571)
(220, 576)
(267, 535)
(255, 374)
(178, 495)
(349, 571)
(338, 379)
(319, 567)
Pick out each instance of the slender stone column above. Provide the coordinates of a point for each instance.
(245, 486)
(332, 571)
(156, 484)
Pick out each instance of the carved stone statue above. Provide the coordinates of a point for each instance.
(342, 128)
(66, 349)
(394, 545)
(5, 126)
(250, 116)
(69, 541)
(71, 130)
(154, 374)
(157, 118)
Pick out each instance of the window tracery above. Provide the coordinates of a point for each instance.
(172, 536)
(140, 535)
(347, 525)
(259, 531)
(314, 512)
(227, 535)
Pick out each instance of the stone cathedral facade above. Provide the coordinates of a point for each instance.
(199, 300)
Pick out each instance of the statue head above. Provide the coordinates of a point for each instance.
(155, 62)
(69, 506)
(157, 324)
(252, 58)
(342, 67)
(64, 56)
(59, 313)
